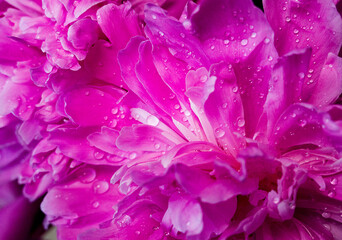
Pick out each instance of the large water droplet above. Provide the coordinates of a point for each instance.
(334, 181)
(100, 187)
(241, 122)
(219, 132)
(98, 155)
(132, 156)
(87, 175)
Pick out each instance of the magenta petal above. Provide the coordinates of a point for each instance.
(254, 76)
(84, 102)
(224, 106)
(184, 214)
(83, 33)
(143, 138)
(119, 23)
(298, 25)
(230, 29)
(102, 64)
(286, 87)
(164, 31)
(84, 199)
(329, 84)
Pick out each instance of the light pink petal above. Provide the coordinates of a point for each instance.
(143, 138)
(83, 33)
(329, 84)
(229, 29)
(82, 6)
(298, 25)
(118, 23)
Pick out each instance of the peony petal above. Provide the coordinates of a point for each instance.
(298, 25)
(229, 29)
(329, 84)
(286, 87)
(119, 23)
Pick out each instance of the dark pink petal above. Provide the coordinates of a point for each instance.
(298, 25)
(281, 204)
(83, 33)
(301, 126)
(286, 87)
(119, 23)
(183, 214)
(82, 6)
(31, 8)
(170, 34)
(160, 93)
(253, 76)
(83, 200)
(101, 63)
(224, 106)
(329, 84)
(98, 103)
(229, 29)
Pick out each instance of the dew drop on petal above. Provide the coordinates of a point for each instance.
(241, 122)
(96, 204)
(100, 187)
(244, 42)
(87, 175)
(132, 156)
(219, 132)
(98, 155)
(334, 181)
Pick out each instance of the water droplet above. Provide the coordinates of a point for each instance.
(100, 187)
(187, 113)
(152, 120)
(226, 41)
(301, 75)
(132, 156)
(219, 132)
(182, 35)
(326, 214)
(224, 105)
(96, 204)
(86, 93)
(293, 115)
(244, 42)
(154, 17)
(137, 232)
(177, 106)
(302, 122)
(98, 155)
(331, 194)
(276, 200)
(157, 146)
(235, 89)
(241, 122)
(270, 58)
(125, 221)
(87, 175)
(295, 31)
(287, 19)
(267, 40)
(115, 110)
(212, 47)
(334, 181)
(253, 35)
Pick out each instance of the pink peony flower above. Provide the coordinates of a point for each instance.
(185, 120)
